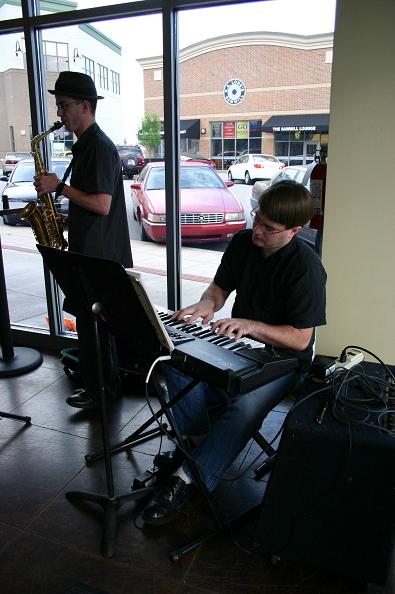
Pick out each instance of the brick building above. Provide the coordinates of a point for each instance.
(256, 92)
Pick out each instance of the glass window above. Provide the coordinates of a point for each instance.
(89, 67)
(115, 80)
(103, 77)
(229, 130)
(241, 145)
(255, 128)
(216, 148)
(216, 129)
(56, 56)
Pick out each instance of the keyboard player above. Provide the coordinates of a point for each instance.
(280, 298)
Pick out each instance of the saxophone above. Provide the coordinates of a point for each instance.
(46, 223)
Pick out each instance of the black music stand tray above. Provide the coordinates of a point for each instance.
(98, 288)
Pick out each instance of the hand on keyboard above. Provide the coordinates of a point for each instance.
(203, 310)
(233, 327)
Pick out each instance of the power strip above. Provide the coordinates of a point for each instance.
(353, 357)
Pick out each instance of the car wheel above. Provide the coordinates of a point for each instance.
(230, 178)
(10, 220)
(247, 178)
(144, 236)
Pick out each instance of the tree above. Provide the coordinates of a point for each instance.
(149, 132)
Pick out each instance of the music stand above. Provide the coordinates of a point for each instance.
(101, 289)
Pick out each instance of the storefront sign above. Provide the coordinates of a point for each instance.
(294, 128)
(229, 129)
(242, 129)
(301, 122)
(234, 91)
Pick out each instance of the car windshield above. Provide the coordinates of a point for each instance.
(128, 150)
(261, 158)
(25, 172)
(17, 155)
(190, 177)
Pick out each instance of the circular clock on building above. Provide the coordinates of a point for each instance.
(234, 91)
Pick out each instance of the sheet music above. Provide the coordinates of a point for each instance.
(150, 310)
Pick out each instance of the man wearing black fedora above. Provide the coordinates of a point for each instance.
(97, 212)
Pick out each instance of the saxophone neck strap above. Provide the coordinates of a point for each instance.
(67, 172)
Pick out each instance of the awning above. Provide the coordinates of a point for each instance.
(297, 123)
(188, 129)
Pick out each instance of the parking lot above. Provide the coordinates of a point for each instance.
(24, 271)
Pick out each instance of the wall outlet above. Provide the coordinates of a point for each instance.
(353, 357)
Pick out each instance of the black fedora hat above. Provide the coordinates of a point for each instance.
(75, 84)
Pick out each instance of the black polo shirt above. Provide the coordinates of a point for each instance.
(97, 169)
(288, 287)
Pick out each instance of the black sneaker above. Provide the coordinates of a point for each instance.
(168, 502)
(170, 460)
(82, 399)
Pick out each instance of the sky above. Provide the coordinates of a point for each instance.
(141, 37)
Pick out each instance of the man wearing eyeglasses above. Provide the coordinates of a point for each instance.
(280, 298)
(97, 212)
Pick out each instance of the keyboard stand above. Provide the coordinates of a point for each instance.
(141, 435)
(159, 384)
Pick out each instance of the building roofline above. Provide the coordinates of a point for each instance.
(65, 5)
(306, 42)
(47, 5)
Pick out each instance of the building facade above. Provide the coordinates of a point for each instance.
(256, 92)
(80, 48)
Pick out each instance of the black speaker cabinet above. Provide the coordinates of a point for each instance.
(330, 500)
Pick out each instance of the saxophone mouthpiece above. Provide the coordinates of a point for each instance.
(56, 126)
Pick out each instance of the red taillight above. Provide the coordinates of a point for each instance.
(259, 165)
(11, 162)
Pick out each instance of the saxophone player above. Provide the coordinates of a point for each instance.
(97, 212)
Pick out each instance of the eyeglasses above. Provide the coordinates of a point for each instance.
(267, 228)
(65, 105)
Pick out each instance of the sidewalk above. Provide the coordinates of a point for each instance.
(25, 284)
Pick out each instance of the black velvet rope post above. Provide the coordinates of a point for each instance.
(13, 360)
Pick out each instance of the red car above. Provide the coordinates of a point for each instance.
(199, 158)
(209, 211)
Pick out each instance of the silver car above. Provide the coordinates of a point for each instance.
(20, 190)
(298, 173)
(11, 159)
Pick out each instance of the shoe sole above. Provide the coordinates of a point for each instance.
(169, 518)
(83, 406)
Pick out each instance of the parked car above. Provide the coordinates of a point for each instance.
(298, 173)
(20, 190)
(132, 159)
(11, 159)
(196, 157)
(251, 167)
(209, 211)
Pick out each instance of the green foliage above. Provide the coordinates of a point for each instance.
(149, 132)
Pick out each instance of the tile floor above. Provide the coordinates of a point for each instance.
(50, 546)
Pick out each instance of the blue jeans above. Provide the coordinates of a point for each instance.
(226, 437)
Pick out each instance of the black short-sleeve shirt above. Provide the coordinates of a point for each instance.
(288, 287)
(97, 169)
